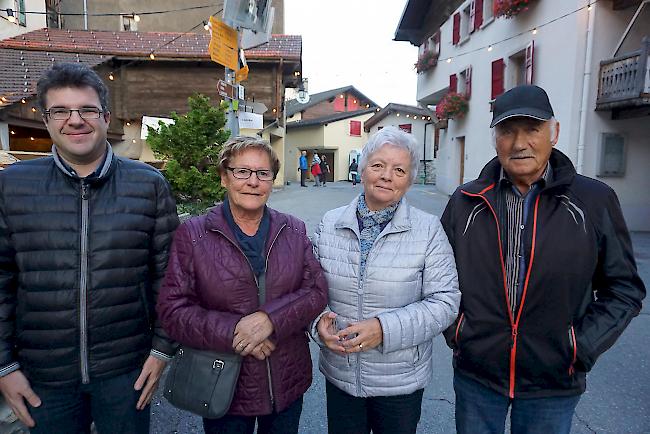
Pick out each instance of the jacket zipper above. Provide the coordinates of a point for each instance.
(266, 265)
(459, 326)
(514, 324)
(83, 286)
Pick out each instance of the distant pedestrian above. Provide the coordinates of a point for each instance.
(353, 171)
(547, 276)
(392, 288)
(304, 168)
(315, 169)
(325, 169)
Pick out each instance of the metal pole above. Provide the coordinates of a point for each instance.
(85, 15)
(232, 122)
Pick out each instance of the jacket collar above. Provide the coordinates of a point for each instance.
(100, 173)
(400, 222)
(563, 174)
(216, 221)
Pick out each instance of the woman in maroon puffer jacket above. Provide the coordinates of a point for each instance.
(209, 299)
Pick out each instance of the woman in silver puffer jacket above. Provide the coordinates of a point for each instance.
(393, 287)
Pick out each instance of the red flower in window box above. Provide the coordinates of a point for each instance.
(454, 105)
(510, 8)
(427, 60)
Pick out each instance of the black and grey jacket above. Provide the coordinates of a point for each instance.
(81, 261)
(580, 292)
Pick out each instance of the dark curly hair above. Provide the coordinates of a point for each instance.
(71, 75)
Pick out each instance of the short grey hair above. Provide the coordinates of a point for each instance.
(391, 136)
(239, 144)
(552, 126)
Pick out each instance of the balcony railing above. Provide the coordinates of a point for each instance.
(624, 81)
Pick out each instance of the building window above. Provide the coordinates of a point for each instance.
(19, 12)
(355, 128)
(612, 155)
(405, 127)
(455, 37)
(52, 10)
(129, 24)
(488, 10)
(465, 82)
(465, 25)
(339, 103)
(520, 67)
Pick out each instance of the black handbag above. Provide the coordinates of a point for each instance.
(202, 382)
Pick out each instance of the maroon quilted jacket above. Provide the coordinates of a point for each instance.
(209, 286)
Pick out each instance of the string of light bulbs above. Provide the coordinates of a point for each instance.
(533, 31)
(11, 13)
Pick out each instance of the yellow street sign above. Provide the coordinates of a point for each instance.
(223, 44)
(241, 74)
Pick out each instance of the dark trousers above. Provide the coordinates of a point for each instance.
(323, 178)
(481, 410)
(347, 414)
(285, 422)
(303, 177)
(109, 403)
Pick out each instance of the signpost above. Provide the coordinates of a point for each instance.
(223, 44)
(227, 90)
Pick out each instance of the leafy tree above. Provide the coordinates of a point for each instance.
(191, 146)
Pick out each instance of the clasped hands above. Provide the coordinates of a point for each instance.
(355, 338)
(252, 336)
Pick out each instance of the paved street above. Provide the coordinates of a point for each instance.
(618, 391)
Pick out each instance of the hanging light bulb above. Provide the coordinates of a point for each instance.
(152, 56)
(489, 48)
(589, 7)
(22, 100)
(449, 60)
(205, 25)
(136, 18)
(111, 77)
(535, 31)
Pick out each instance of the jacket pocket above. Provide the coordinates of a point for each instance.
(573, 350)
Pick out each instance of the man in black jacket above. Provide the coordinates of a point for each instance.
(84, 238)
(547, 276)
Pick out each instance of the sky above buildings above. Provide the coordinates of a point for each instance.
(350, 42)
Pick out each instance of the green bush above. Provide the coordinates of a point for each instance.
(191, 146)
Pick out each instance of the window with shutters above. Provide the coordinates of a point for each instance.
(355, 128)
(465, 26)
(465, 82)
(520, 67)
(476, 14)
(612, 155)
(498, 69)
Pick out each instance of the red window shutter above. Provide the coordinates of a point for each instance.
(472, 15)
(436, 39)
(478, 14)
(339, 103)
(468, 82)
(453, 83)
(353, 103)
(405, 127)
(456, 36)
(355, 128)
(530, 50)
(498, 67)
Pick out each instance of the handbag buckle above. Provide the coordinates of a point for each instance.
(217, 364)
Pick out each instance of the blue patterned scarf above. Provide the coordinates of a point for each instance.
(371, 223)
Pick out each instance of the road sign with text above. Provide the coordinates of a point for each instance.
(223, 44)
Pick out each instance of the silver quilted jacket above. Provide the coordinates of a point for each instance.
(410, 285)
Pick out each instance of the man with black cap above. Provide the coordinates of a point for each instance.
(547, 276)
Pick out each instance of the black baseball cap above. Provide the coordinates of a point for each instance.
(526, 100)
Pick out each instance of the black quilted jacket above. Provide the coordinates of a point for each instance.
(80, 266)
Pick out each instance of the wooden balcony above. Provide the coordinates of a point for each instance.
(624, 84)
